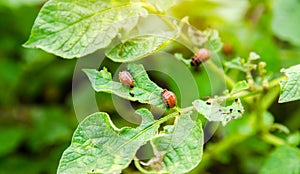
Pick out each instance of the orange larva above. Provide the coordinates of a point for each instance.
(200, 56)
(126, 79)
(169, 98)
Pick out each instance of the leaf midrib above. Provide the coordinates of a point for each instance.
(92, 15)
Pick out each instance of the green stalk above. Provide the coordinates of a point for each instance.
(272, 139)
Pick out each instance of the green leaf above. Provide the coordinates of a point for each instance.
(253, 56)
(285, 23)
(71, 29)
(207, 38)
(294, 139)
(98, 146)
(179, 147)
(236, 63)
(290, 88)
(163, 6)
(214, 41)
(20, 3)
(179, 57)
(213, 111)
(284, 159)
(144, 91)
(137, 48)
(240, 86)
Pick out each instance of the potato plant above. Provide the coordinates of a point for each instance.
(129, 31)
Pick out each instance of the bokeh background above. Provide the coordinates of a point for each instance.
(37, 117)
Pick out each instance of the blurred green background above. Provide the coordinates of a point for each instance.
(37, 118)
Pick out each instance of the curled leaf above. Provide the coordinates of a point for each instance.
(98, 146)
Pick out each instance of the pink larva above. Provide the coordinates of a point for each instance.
(126, 79)
(200, 56)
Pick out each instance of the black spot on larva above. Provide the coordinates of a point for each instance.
(236, 100)
(208, 103)
(239, 111)
(230, 110)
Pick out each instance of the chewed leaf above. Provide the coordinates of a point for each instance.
(71, 29)
(184, 141)
(290, 88)
(144, 90)
(98, 146)
(137, 48)
(213, 111)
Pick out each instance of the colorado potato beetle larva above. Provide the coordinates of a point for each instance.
(126, 78)
(200, 56)
(169, 98)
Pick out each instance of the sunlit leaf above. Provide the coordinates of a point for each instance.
(213, 111)
(98, 146)
(144, 90)
(76, 28)
(283, 160)
(163, 5)
(290, 88)
(137, 48)
(179, 147)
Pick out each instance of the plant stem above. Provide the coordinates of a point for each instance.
(276, 81)
(174, 114)
(272, 139)
(140, 168)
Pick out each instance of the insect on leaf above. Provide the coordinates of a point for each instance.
(144, 90)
